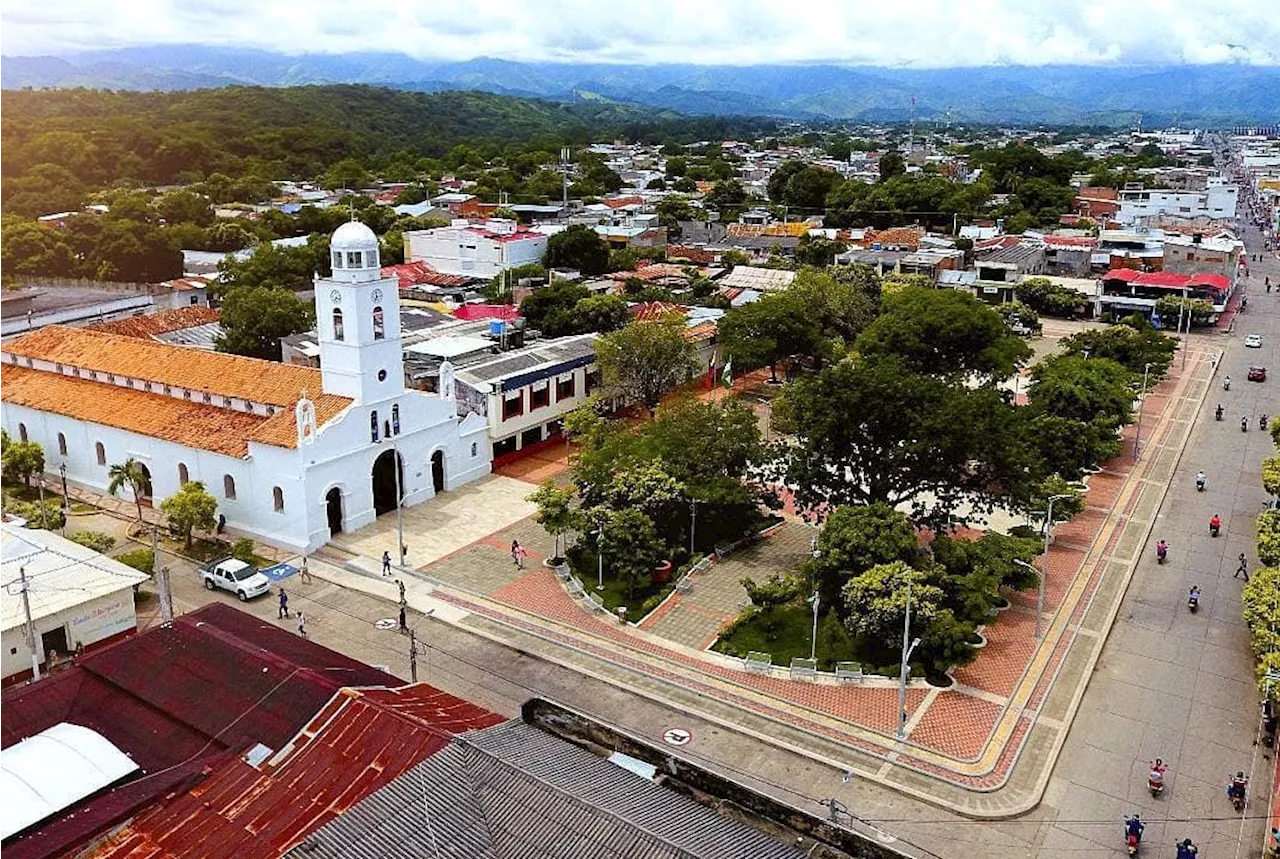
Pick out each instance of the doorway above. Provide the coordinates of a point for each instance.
(388, 471)
(333, 507)
(144, 491)
(437, 471)
(54, 641)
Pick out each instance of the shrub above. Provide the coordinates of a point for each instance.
(242, 550)
(49, 516)
(1269, 538)
(1261, 599)
(95, 540)
(139, 559)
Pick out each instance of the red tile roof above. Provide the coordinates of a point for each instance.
(1071, 241)
(701, 256)
(648, 311)
(420, 273)
(178, 699)
(159, 323)
(359, 742)
(620, 202)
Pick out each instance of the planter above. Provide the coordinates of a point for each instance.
(981, 641)
(662, 573)
(554, 563)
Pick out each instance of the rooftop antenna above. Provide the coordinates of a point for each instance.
(565, 167)
(911, 143)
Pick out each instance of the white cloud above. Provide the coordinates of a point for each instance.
(925, 33)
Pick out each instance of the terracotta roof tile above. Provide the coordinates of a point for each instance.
(186, 423)
(152, 361)
(701, 256)
(159, 323)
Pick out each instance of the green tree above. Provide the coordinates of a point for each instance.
(944, 332)
(875, 603)
(1044, 296)
(644, 360)
(1173, 311)
(184, 206)
(600, 313)
(347, 173)
(578, 247)
(855, 539)
(1082, 389)
(22, 460)
(631, 547)
(189, 508)
(1133, 344)
(131, 475)
(891, 164)
(818, 251)
(550, 309)
(1018, 315)
(555, 513)
(284, 268)
(254, 319)
(777, 327)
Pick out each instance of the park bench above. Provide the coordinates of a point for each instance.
(758, 661)
(848, 672)
(684, 584)
(803, 668)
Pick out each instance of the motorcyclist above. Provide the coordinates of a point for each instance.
(1226, 383)
(1162, 549)
(1199, 480)
(1262, 421)
(1186, 850)
(1193, 595)
(1239, 786)
(1215, 524)
(1134, 826)
(1218, 412)
(1156, 775)
(1244, 423)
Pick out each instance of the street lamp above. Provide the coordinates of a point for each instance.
(1048, 528)
(813, 643)
(693, 524)
(599, 535)
(1142, 401)
(907, 650)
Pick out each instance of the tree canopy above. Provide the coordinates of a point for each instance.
(255, 318)
(578, 247)
(644, 360)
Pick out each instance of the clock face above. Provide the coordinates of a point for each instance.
(376, 295)
(335, 296)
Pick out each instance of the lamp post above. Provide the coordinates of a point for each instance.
(1048, 528)
(395, 451)
(1142, 401)
(66, 502)
(1186, 338)
(693, 524)
(908, 647)
(599, 535)
(813, 643)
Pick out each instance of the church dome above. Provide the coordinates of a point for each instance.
(353, 236)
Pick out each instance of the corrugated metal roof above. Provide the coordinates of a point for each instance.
(516, 792)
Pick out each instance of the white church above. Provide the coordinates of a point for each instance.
(293, 455)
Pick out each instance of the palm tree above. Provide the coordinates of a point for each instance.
(132, 474)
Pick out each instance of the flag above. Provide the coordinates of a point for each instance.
(727, 375)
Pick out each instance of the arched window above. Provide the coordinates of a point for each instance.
(182, 474)
(379, 329)
(337, 324)
(228, 487)
(395, 420)
(373, 426)
(337, 259)
(62, 444)
(277, 499)
(22, 432)
(101, 453)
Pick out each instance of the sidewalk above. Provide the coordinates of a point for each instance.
(1014, 704)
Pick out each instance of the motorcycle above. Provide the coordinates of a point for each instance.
(1244, 425)
(1217, 413)
(1162, 552)
(1214, 529)
(1238, 793)
(1193, 600)
(1132, 834)
(1226, 384)
(1262, 423)
(1199, 484)
(1155, 785)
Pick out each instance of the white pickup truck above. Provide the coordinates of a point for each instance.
(230, 574)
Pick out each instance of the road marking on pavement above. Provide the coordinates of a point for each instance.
(677, 737)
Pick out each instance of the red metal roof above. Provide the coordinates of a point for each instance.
(177, 700)
(360, 741)
(487, 311)
(419, 273)
(1169, 279)
(648, 311)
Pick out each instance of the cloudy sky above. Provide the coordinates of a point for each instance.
(736, 32)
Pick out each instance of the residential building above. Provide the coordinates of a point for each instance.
(38, 302)
(1125, 291)
(481, 250)
(195, 326)
(1221, 254)
(293, 454)
(1137, 204)
(77, 599)
(1134, 249)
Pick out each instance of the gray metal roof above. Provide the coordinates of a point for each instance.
(547, 354)
(515, 792)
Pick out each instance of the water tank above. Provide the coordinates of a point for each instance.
(497, 327)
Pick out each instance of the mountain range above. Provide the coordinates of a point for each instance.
(1206, 95)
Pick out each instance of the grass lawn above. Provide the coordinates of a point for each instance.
(19, 493)
(785, 632)
(615, 592)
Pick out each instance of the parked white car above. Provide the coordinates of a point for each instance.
(230, 574)
(1253, 341)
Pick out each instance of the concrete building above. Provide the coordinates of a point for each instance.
(1218, 200)
(78, 599)
(476, 250)
(292, 454)
(1195, 254)
(38, 302)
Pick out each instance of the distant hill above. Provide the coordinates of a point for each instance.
(1189, 95)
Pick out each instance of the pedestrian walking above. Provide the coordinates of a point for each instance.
(517, 554)
(284, 605)
(302, 624)
(304, 573)
(403, 626)
(386, 563)
(400, 584)
(222, 523)
(1243, 570)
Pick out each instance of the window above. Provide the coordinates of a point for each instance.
(379, 329)
(337, 324)
(101, 453)
(195, 299)
(228, 487)
(207, 398)
(183, 477)
(62, 444)
(337, 259)
(540, 397)
(22, 432)
(565, 389)
(395, 419)
(513, 407)
(373, 426)
(382, 375)
(186, 395)
(277, 499)
(58, 367)
(353, 259)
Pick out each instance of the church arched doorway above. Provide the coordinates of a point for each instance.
(437, 471)
(333, 509)
(144, 490)
(385, 480)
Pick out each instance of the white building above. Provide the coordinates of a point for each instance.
(473, 250)
(78, 598)
(1217, 201)
(292, 454)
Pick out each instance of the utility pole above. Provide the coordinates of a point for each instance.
(693, 524)
(565, 155)
(31, 627)
(413, 656)
(1142, 401)
(399, 507)
(907, 650)
(1186, 338)
(162, 578)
